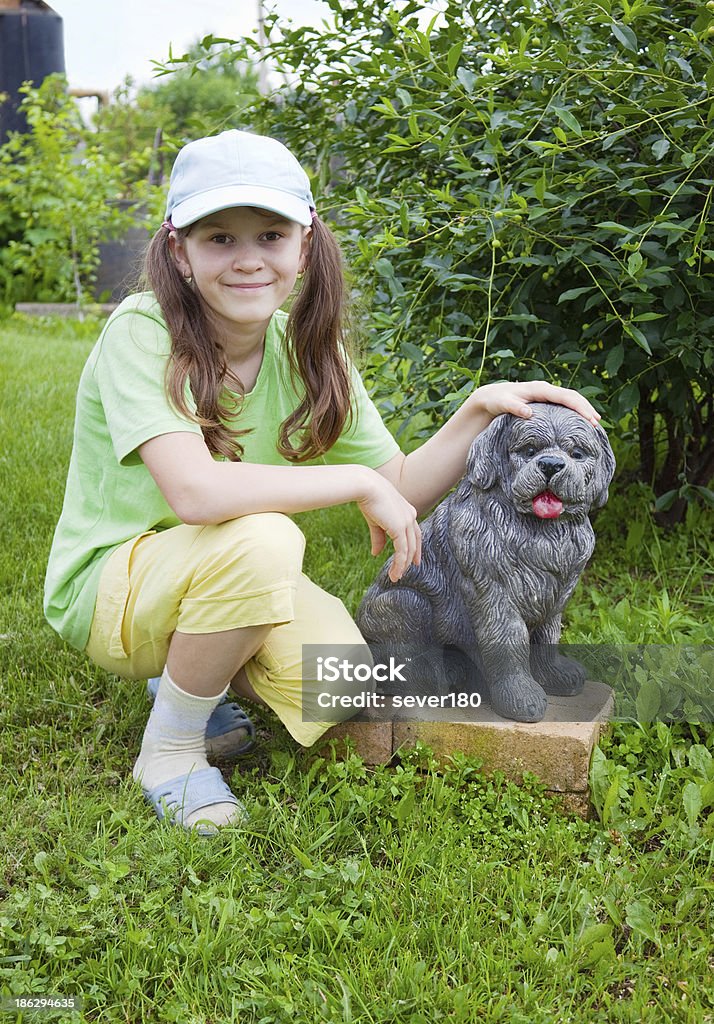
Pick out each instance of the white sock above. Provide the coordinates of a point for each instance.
(174, 744)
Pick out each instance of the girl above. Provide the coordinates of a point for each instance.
(198, 412)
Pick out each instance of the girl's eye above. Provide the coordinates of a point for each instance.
(221, 239)
(272, 236)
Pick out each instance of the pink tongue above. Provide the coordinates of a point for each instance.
(547, 505)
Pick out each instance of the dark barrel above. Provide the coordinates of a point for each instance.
(31, 47)
(120, 261)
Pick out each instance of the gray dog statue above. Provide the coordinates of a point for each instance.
(501, 556)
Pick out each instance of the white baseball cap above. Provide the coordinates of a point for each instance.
(237, 169)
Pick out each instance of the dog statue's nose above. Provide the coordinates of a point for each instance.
(550, 465)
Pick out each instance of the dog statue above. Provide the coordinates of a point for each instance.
(501, 556)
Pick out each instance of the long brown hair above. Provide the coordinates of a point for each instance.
(317, 350)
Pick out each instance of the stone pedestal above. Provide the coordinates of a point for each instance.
(557, 750)
(373, 741)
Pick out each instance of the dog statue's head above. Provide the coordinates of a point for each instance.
(551, 465)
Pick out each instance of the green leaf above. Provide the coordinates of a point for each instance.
(661, 148)
(666, 500)
(612, 800)
(615, 358)
(648, 700)
(384, 267)
(634, 263)
(599, 778)
(467, 79)
(637, 336)
(573, 293)
(612, 225)
(385, 106)
(705, 493)
(405, 807)
(413, 352)
(454, 56)
(302, 857)
(701, 760)
(569, 119)
(640, 917)
(707, 792)
(40, 861)
(625, 35)
(684, 66)
(540, 187)
(692, 801)
(594, 933)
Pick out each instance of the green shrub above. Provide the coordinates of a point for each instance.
(57, 192)
(527, 192)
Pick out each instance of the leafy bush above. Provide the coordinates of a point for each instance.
(57, 192)
(210, 96)
(527, 190)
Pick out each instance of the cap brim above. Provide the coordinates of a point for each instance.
(264, 198)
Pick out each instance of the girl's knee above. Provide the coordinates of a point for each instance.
(266, 541)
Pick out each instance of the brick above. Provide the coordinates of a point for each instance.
(556, 750)
(575, 803)
(371, 740)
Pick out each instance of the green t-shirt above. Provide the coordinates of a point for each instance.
(110, 495)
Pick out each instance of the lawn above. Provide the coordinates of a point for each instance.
(394, 895)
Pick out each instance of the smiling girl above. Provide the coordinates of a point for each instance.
(205, 417)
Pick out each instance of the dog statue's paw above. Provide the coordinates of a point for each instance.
(519, 698)
(560, 676)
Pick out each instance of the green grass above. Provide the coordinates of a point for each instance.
(354, 894)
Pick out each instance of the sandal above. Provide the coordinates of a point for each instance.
(177, 798)
(229, 732)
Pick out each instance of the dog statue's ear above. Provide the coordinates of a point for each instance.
(486, 462)
(606, 469)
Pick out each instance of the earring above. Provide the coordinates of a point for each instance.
(188, 279)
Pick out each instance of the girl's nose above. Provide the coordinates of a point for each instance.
(247, 258)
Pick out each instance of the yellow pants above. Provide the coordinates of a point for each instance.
(207, 579)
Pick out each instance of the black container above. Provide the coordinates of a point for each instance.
(120, 262)
(31, 47)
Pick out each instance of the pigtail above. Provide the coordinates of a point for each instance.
(317, 351)
(196, 357)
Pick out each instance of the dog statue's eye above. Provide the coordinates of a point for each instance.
(578, 454)
(529, 452)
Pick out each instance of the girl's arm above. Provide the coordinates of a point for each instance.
(202, 491)
(426, 474)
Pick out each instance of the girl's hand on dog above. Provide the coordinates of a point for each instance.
(388, 514)
(495, 399)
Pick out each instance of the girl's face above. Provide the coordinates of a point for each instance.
(244, 262)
